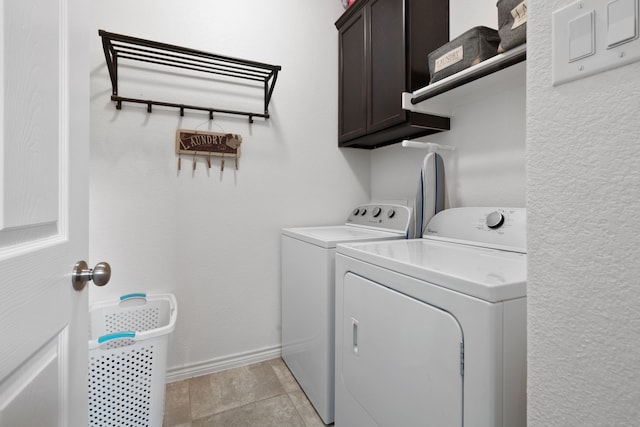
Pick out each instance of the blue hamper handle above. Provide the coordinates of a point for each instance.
(129, 296)
(116, 335)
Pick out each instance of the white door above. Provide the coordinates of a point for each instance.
(44, 143)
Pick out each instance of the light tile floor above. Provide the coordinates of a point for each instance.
(263, 394)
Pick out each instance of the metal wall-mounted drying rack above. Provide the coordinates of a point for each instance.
(118, 47)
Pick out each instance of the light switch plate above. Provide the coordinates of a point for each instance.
(571, 59)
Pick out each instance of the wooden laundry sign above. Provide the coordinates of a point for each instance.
(207, 144)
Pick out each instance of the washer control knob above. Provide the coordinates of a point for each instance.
(356, 211)
(363, 211)
(376, 212)
(495, 220)
(391, 213)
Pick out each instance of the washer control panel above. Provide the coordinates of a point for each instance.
(492, 227)
(382, 216)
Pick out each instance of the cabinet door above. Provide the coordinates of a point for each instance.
(352, 118)
(386, 64)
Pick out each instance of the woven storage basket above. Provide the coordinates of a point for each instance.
(512, 23)
(471, 48)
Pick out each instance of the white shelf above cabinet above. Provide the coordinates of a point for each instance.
(499, 73)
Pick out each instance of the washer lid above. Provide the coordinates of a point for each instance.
(489, 274)
(328, 237)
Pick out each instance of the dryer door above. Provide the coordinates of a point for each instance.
(401, 358)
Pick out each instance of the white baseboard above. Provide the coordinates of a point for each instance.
(222, 363)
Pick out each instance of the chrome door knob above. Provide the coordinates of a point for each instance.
(81, 274)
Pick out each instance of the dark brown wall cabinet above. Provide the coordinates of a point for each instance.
(383, 52)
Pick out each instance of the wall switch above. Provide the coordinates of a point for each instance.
(581, 37)
(592, 36)
(622, 22)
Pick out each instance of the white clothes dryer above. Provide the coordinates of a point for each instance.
(432, 331)
(308, 293)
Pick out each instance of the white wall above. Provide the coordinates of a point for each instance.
(583, 200)
(486, 169)
(466, 14)
(212, 238)
(488, 132)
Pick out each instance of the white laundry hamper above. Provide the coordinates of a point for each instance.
(128, 359)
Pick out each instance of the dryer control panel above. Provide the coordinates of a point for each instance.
(491, 227)
(390, 217)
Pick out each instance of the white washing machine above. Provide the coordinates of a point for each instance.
(432, 331)
(308, 294)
